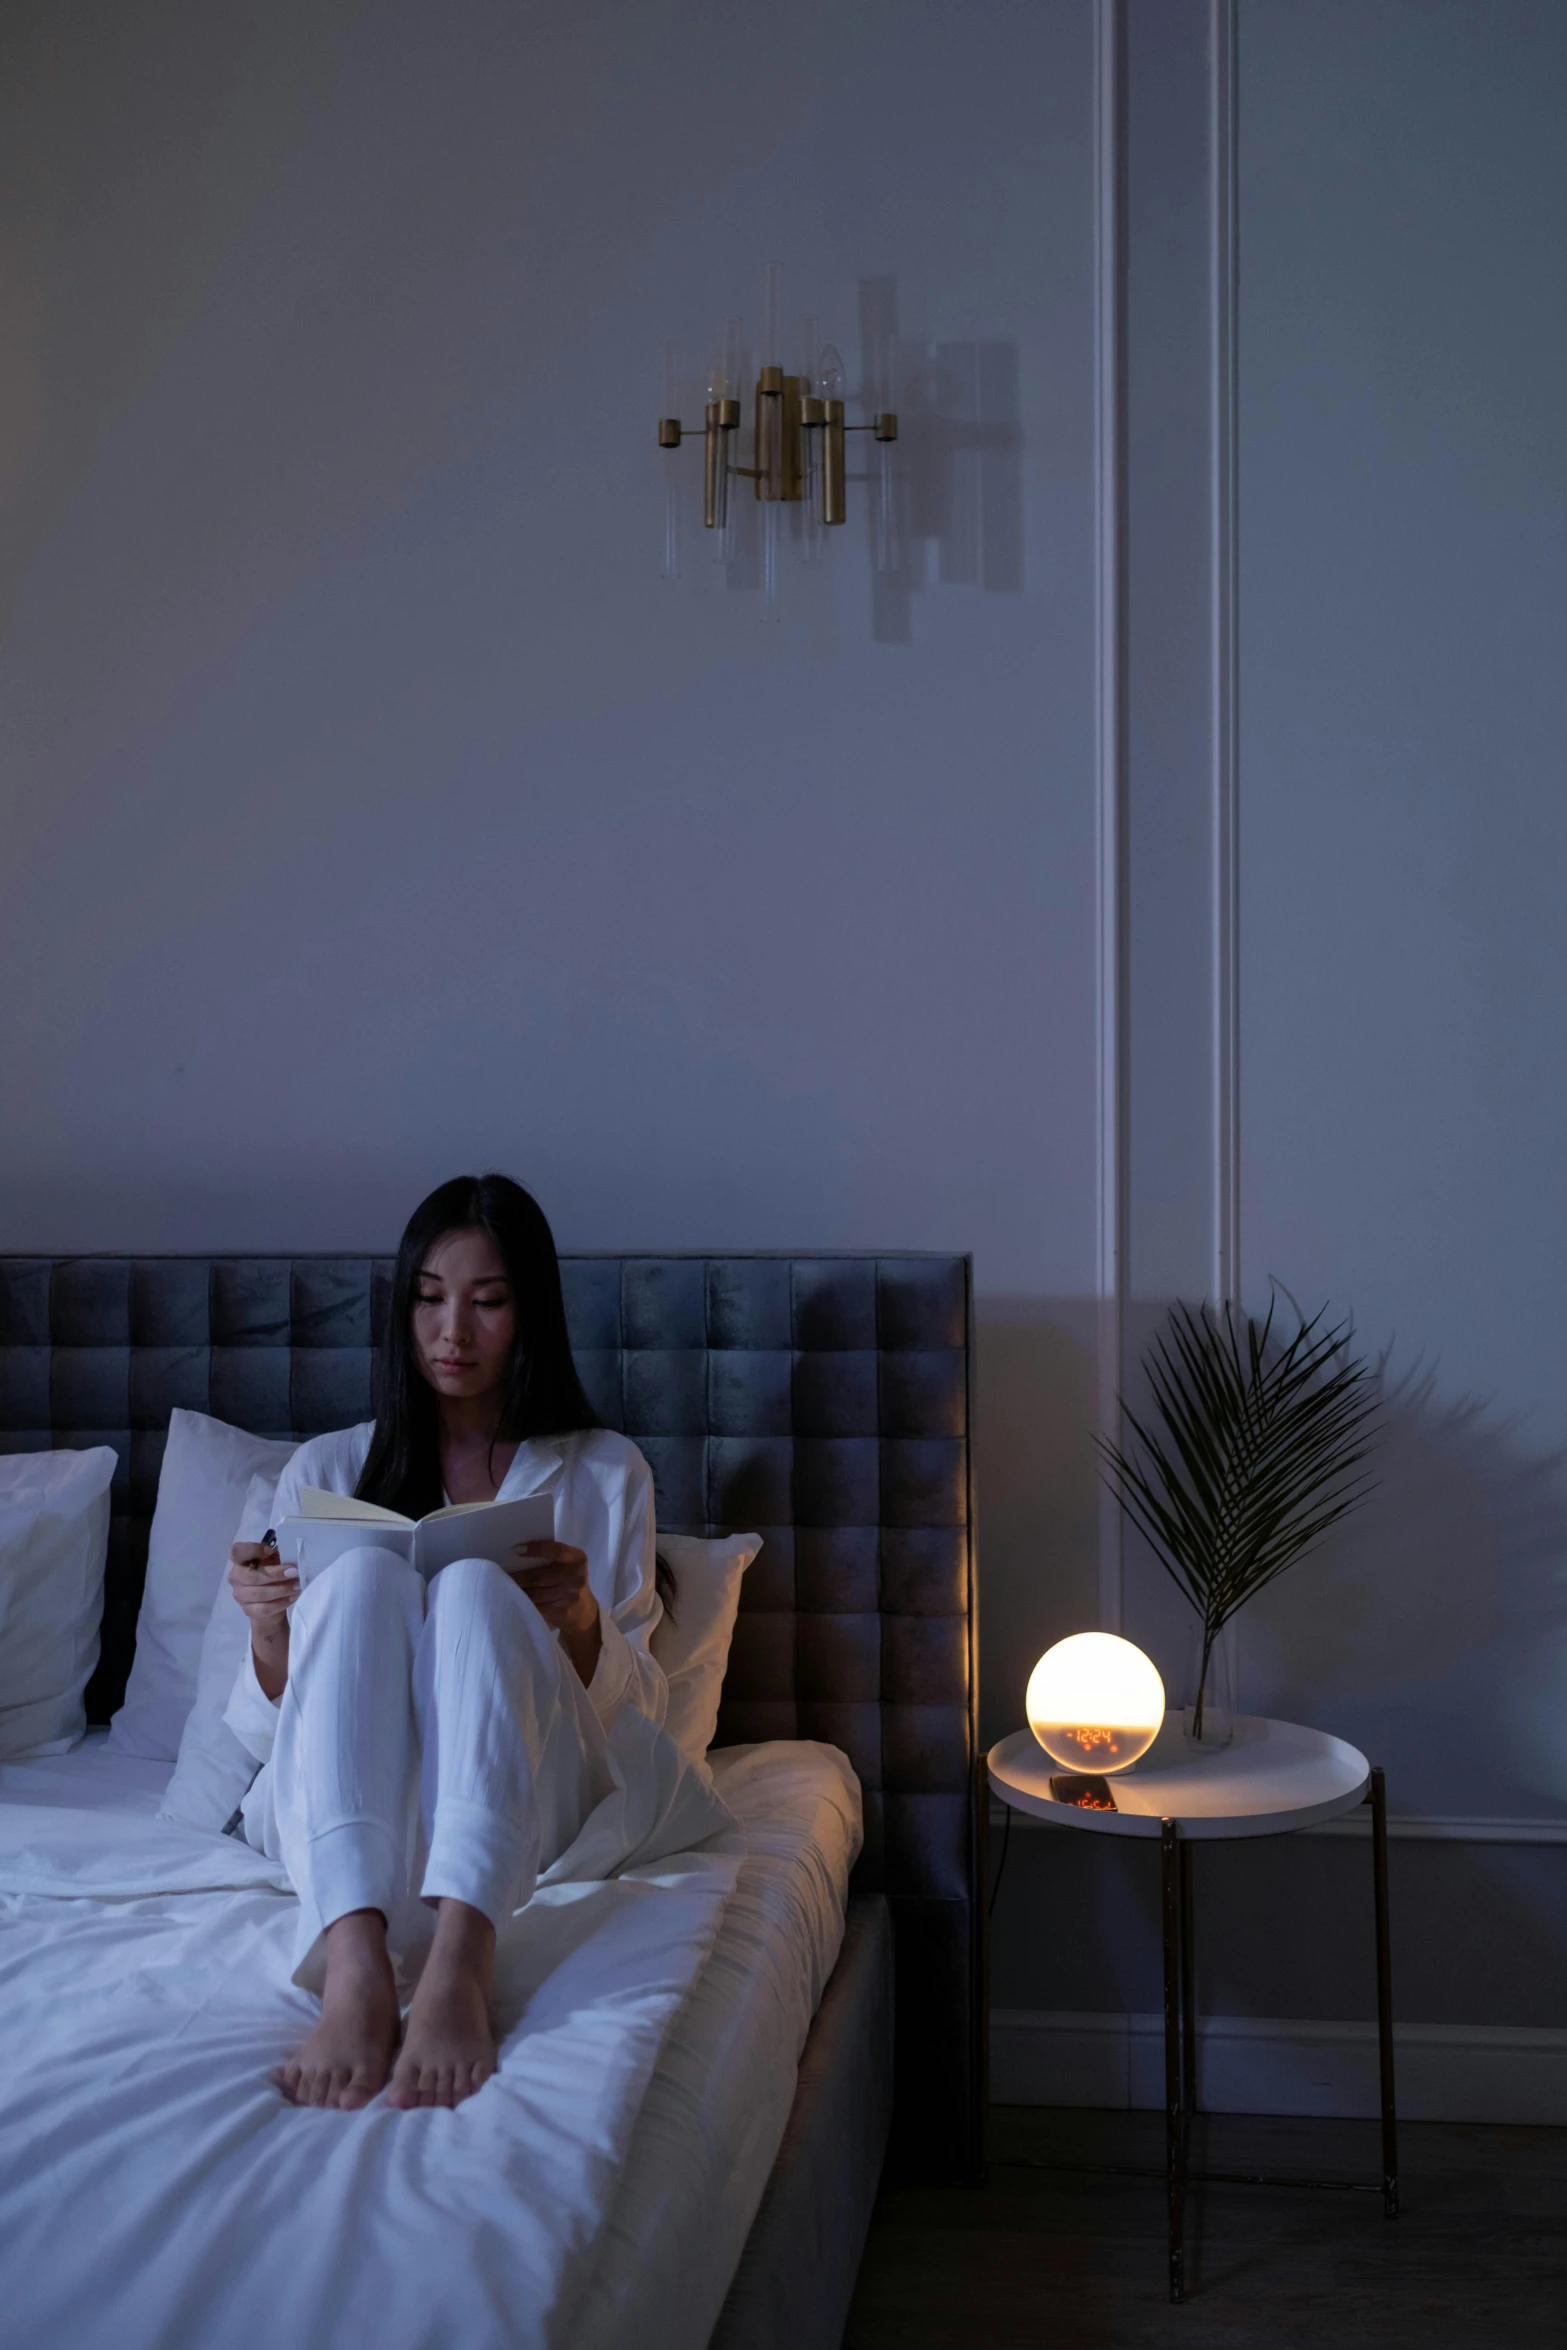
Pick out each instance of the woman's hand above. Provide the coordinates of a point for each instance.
(555, 1578)
(265, 1588)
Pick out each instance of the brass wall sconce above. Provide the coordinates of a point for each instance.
(799, 432)
(789, 466)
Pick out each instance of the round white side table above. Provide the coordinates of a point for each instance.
(1273, 1778)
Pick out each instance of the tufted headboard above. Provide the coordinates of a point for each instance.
(821, 1401)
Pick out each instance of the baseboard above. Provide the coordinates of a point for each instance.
(1278, 2064)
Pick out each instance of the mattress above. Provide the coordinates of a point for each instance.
(709, 2116)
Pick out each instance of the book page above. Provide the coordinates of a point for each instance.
(312, 1544)
(483, 1529)
(458, 1509)
(315, 1502)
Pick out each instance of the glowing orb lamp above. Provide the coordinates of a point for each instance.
(1095, 1701)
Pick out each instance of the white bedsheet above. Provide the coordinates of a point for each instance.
(715, 2110)
(158, 2193)
(89, 1778)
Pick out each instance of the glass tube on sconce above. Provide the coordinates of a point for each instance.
(887, 540)
(737, 368)
(721, 418)
(829, 390)
(886, 543)
(771, 354)
(810, 438)
(715, 454)
(671, 467)
(770, 562)
(771, 438)
(775, 432)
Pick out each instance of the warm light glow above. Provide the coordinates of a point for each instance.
(1095, 1702)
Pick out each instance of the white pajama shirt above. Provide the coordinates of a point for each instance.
(436, 1740)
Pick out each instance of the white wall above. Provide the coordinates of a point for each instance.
(1404, 843)
(373, 810)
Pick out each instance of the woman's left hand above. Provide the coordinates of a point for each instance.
(555, 1578)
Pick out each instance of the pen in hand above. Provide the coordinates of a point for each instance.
(270, 1558)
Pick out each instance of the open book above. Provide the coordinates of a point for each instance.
(330, 1523)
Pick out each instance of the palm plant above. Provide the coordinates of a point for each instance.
(1254, 1456)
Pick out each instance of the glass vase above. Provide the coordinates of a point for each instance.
(1208, 1698)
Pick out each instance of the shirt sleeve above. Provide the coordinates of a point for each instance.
(627, 1672)
(250, 1713)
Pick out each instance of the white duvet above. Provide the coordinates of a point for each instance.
(156, 2194)
(156, 2190)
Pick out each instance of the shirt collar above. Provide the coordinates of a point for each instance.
(537, 1463)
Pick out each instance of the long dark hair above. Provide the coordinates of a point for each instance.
(544, 1395)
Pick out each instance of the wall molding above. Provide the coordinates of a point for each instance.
(1281, 2064)
(1224, 381)
(1112, 782)
(1403, 1827)
(1110, 749)
(1456, 1829)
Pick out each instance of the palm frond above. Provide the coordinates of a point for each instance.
(1253, 1451)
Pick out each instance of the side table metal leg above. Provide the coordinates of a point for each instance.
(1377, 1798)
(1188, 1983)
(1174, 2109)
(979, 2111)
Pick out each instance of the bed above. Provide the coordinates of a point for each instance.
(808, 2013)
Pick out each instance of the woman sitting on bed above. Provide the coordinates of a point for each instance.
(497, 1692)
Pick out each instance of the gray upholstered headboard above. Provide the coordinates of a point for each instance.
(822, 1401)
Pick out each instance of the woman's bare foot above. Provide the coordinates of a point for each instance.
(346, 2059)
(448, 2047)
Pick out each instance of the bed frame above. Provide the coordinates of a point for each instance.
(822, 1401)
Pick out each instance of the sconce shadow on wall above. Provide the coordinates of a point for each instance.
(931, 482)
(960, 473)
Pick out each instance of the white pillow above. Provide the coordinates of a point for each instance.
(202, 1489)
(54, 1539)
(692, 1646)
(214, 1770)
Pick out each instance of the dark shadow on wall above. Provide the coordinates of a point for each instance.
(1447, 1595)
(1036, 1490)
(1430, 1628)
(1285, 1929)
(947, 498)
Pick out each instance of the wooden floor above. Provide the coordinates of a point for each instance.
(1476, 2261)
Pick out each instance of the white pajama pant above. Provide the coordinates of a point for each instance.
(428, 1736)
